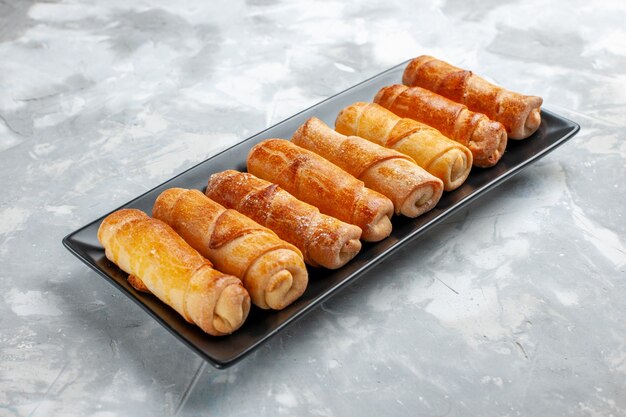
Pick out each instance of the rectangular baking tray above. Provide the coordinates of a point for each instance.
(261, 325)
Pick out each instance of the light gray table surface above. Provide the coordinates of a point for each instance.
(514, 306)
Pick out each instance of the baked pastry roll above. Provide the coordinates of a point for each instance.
(324, 240)
(315, 180)
(444, 158)
(412, 190)
(485, 138)
(271, 269)
(520, 114)
(161, 262)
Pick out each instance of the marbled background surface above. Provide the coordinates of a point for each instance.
(514, 307)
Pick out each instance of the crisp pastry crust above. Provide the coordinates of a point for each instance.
(520, 114)
(324, 240)
(317, 181)
(272, 270)
(485, 138)
(444, 158)
(412, 189)
(159, 261)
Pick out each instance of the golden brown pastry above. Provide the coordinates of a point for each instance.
(161, 262)
(412, 190)
(442, 157)
(485, 138)
(271, 269)
(315, 180)
(520, 114)
(323, 240)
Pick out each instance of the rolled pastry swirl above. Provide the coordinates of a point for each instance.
(412, 189)
(520, 114)
(444, 158)
(271, 269)
(324, 240)
(485, 138)
(161, 262)
(317, 181)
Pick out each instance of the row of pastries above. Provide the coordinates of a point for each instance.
(312, 199)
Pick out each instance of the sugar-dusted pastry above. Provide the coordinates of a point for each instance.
(324, 240)
(485, 138)
(444, 158)
(412, 189)
(271, 269)
(520, 114)
(161, 262)
(315, 180)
